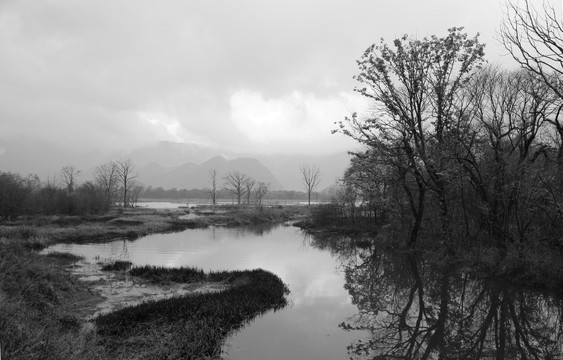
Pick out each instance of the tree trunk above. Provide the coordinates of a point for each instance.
(444, 220)
(417, 220)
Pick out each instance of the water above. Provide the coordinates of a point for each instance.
(170, 205)
(161, 205)
(307, 328)
(351, 300)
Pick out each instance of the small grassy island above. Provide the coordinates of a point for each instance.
(47, 311)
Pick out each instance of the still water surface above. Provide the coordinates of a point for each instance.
(306, 329)
(349, 299)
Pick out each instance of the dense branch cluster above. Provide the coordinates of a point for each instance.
(456, 149)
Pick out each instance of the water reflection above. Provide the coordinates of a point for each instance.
(414, 310)
(389, 305)
(244, 231)
(307, 329)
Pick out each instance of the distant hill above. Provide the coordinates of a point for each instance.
(170, 154)
(284, 168)
(168, 164)
(196, 176)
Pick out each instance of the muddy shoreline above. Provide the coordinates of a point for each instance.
(118, 289)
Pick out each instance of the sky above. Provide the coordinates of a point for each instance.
(249, 76)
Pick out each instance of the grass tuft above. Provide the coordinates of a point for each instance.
(119, 265)
(65, 256)
(39, 300)
(192, 326)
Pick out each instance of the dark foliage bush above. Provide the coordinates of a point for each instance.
(13, 195)
(25, 196)
(326, 214)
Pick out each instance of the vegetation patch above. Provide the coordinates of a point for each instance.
(230, 215)
(192, 326)
(42, 307)
(119, 265)
(65, 256)
(126, 221)
(158, 274)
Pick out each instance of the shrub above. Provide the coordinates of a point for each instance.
(13, 195)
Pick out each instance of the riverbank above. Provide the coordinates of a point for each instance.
(239, 216)
(48, 302)
(41, 231)
(191, 326)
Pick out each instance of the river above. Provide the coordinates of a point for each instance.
(349, 299)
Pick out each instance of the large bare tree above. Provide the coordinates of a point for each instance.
(249, 185)
(69, 175)
(310, 176)
(414, 86)
(125, 175)
(535, 40)
(108, 180)
(235, 183)
(261, 191)
(212, 189)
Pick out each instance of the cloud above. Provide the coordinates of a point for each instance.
(90, 73)
(293, 122)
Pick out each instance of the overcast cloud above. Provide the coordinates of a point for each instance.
(253, 75)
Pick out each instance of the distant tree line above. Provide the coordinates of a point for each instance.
(237, 187)
(114, 184)
(159, 193)
(457, 149)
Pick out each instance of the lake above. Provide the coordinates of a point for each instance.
(189, 203)
(351, 300)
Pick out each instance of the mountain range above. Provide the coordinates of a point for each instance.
(170, 164)
(196, 176)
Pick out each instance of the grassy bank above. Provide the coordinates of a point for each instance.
(41, 231)
(43, 308)
(189, 327)
(38, 232)
(231, 215)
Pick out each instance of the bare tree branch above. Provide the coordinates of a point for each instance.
(235, 183)
(310, 176)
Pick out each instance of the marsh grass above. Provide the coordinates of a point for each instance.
(65, 256)
(157, 274)
(236, 216)
(192, 326)
(38, 302)
(118, 265)
(37, 233)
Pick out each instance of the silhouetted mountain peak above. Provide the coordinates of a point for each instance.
(194, 176)
(215, 162)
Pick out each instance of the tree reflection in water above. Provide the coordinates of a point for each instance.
(415, 310)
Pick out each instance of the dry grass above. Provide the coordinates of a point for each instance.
(42, 307)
